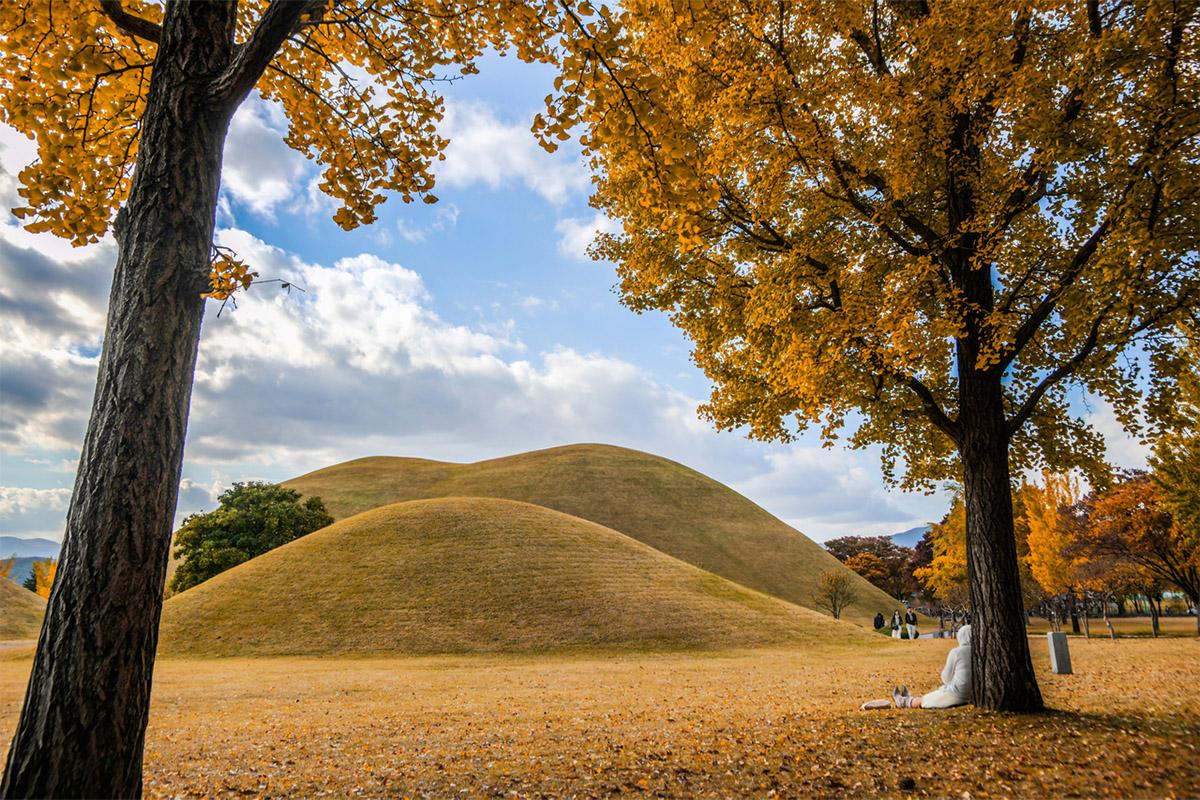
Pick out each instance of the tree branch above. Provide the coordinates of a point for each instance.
(1059, 372)
(251, 58)
(1046, 306)
(871, 44)
(933, 411)
(130, 24)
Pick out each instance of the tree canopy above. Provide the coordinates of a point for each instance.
(809, 193)
(915, 224)
(252, 519)
(358, 81)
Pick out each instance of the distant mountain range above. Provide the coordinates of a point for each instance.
(28, 548)
(26, 552)
(910, 537)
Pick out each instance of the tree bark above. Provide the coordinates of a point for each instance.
(83, 723)
(1112, 634)
(1002, 670)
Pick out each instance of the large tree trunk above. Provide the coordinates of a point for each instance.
(83, 723)
(1002, 672)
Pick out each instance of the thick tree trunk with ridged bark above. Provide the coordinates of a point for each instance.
(83, 723)
(1002, 672)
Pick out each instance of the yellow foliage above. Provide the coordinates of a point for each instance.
(847, 206)
(946, 574)
(1055, 563)
(358, 81)
(44, 573)
(6, 567)
(753, 724)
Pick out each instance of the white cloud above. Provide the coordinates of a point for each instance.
(1122, 449)
(829, 492)
(533, 303)
(445, 216)
(20, 500)
(486, 150)
(259, 170)
(576, 235)
(360, 363)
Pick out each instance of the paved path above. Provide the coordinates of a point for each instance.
(11, 643)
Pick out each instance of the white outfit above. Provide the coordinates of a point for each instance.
(956, 676)
(895, 626)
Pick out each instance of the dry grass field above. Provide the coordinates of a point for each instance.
(21, 612)
(753, 723)
(477, 575)
(1126, 626)
(657, 501)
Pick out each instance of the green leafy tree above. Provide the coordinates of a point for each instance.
(253, 518)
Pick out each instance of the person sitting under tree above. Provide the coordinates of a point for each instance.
(956, 682)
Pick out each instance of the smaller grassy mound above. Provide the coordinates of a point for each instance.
(21, 612)
(471, 575)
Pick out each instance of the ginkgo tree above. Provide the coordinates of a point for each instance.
(916, 223)
(129, 102)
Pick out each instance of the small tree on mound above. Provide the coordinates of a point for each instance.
(834, 592)
(253, 518)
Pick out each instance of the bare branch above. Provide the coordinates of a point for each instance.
(130, 24)
(871, 44)
(1061, 371)
(931, 407)
(250, 59)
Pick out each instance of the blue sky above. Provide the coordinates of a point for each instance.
(470, 329)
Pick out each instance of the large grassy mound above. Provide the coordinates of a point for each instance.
(21, 612)
(463, 575)
(657, 501)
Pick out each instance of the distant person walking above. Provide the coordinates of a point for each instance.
(879, 620)
(895, 624)
(910, 622)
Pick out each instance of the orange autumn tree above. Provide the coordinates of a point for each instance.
(6, 566)
(871, 568)
(1176, 459)
(1132, 524)
(129, 103)
(946, 575)
(44, 573)
(1053, 560)
(916, 224)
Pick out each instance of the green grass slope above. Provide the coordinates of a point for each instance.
(657, 501)
(476, 575)
(21, 612)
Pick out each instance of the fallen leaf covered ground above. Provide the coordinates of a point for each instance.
(1126, 724)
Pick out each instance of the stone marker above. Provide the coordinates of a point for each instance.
(1060, 657)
